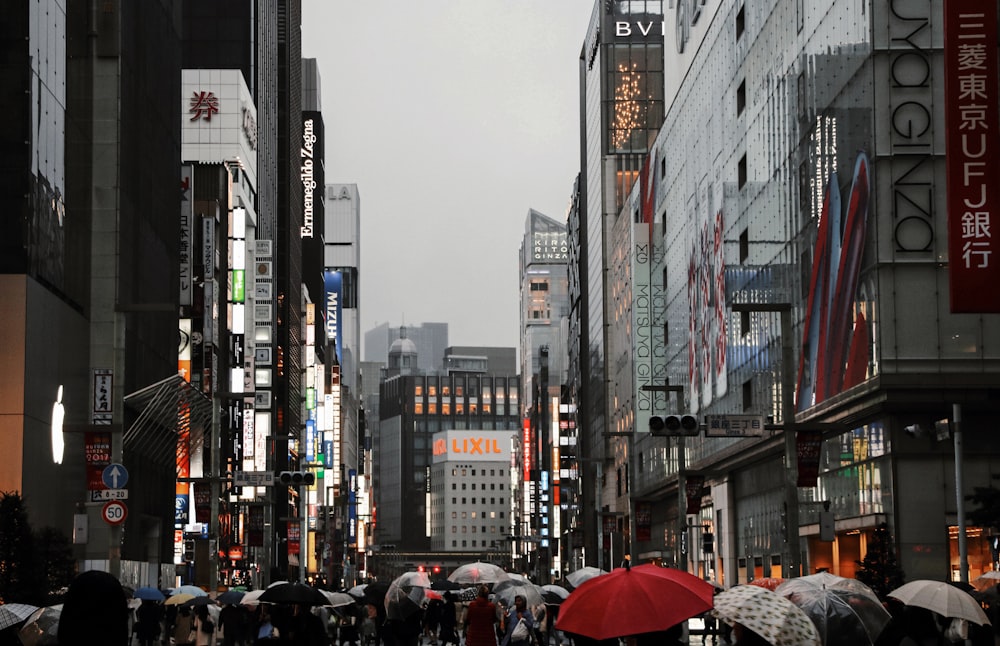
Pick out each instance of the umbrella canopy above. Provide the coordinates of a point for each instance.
(41, 627)
(178, 599)
(769, 582)
(193, 590)
(842, 618)
(147, 593)
(373, 593)
(232, 597)
(406, 594)
(293, 593)
(337, 599)
(478, 572)
(251, 598)
(554, 594)
(939, 597)
(14, 613)
(194, 602)
(576, 577)
(770, 615)
(646, 599)
(505, 591)
(825, 581)
(444, 585)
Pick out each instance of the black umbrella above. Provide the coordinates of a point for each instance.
(199, 601)
(297, 593)
(374, 593)
(444, 585)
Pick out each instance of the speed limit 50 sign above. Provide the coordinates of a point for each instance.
(114, 512)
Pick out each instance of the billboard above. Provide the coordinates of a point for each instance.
(333, 307)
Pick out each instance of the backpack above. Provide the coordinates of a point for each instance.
(207, 626)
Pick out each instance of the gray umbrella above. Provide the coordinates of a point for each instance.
(15, 613)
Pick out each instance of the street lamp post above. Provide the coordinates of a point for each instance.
(792, 560)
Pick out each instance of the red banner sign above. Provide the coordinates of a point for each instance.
(808, 445)
(202, 502)
(255, 526)
(97, 452)
(692, 491)
(971, 153)
(643, 521)
(293, 538)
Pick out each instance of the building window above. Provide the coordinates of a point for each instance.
(454, 514)
(418, 408)
(473, 473)
(741, 172)
(463, 543)
(740, 23)
(454, 529)
(741, 97)
(445, 408)
(418, 390)
(453, 485)
(432, 408)
(744, 245)
(747, 395)
(454, 500)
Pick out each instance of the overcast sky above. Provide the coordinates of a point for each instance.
(453, 117)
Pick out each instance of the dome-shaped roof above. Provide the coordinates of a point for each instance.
(403, 346)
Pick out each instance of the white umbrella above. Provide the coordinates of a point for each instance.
(251, 598)
(825, 581)
(942, 598)
(576, 577)
(338, 599)
(406, 594)
(506, 591)
(770, 615)
(478, 572)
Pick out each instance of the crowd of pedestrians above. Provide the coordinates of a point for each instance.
(96, 610)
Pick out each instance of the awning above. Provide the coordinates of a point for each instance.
(166, 409)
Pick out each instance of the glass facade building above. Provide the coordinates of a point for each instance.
(801, 163)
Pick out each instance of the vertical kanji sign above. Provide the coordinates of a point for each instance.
(972, 127)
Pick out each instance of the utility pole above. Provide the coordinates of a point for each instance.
(679, 558)
(792, 559)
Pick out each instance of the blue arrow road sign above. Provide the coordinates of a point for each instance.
(115, 476)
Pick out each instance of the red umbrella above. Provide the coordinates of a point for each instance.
(768, 582)
(631, 601)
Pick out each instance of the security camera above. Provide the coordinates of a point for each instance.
(913, 430)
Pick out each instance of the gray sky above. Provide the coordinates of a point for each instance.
(454, 117)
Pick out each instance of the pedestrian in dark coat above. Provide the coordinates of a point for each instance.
(147, 625)
(95, 611)
(480, 620)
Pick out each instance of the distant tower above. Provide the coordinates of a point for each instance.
(402, 355)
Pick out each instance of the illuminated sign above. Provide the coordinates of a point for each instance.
(491, 446)
(306, 175)
(334, 285)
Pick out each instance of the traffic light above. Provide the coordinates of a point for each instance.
(674, 425)
(296, 478)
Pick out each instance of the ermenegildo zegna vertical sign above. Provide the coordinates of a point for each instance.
(972, 139)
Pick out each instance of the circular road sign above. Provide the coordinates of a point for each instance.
(114, 512)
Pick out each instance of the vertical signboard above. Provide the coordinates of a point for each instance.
(334, 292)
(97, 451)
(187, 220)
(255, 526)
(971, 143)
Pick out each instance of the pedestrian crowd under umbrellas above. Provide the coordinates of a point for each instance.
(480, 604)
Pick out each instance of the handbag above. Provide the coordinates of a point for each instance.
(520, 632)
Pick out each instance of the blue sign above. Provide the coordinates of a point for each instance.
(114, 476)
(180, 509)
(333, 284)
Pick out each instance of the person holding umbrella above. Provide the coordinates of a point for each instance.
(148, 616)
(520, 624)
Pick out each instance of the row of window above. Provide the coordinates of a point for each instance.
(492, 514)
(464, 471)
(481, 543)
(482, 486)
(472, 501)
(460, 408)
(471, 529)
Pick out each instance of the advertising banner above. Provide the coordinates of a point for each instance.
(643, 521)
(97, 452)
(971, 153)
(255, 526)
(808, 445)
(692, 491)
(334, 297)
(293, 538)
(202, 502)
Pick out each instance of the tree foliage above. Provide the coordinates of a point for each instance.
(879, 569)
(32, 564)
(988, 512)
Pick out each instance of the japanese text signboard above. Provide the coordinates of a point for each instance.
(971, 99)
